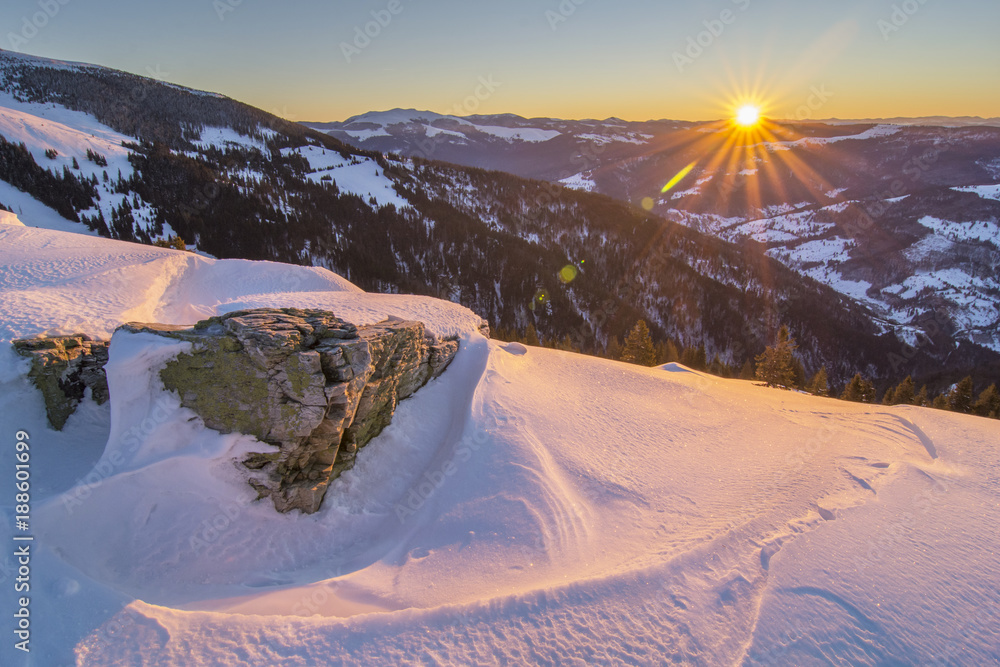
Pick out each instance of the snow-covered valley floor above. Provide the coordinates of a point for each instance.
(530, 506)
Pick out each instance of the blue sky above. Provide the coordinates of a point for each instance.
(635, 59)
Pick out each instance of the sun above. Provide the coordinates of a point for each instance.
(747, 115)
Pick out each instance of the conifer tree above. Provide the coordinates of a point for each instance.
(776, 364)
(747, 373)
(988, 404)
(531, 336)
(614, 348)
(695, 357)
(718, 367)
(859, 390)
(567, 344)
(639, 346)
(904, 393)
(666, 352)
(960, 397)
(940, 402)
(818, 385)
(921, 399)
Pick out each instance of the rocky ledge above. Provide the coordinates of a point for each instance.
(63, 368)
(313, 386)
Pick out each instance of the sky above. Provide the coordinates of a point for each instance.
(313, 60)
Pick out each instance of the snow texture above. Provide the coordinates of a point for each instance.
(530, 506)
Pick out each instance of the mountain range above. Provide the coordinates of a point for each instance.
(141, 160)
(900, 216)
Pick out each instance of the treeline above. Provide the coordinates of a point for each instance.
(67, 194)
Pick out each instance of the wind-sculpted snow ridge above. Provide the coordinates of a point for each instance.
(529, 506)
(546, 508)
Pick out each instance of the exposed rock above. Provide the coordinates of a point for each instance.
(316, 387)
(63, 368)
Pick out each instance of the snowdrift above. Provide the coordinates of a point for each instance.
(530, 506)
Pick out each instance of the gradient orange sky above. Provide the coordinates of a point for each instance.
(634, 59)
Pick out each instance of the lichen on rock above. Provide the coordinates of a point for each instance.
(63, 368)
(313, 386)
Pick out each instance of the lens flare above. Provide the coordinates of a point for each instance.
(568, 274)
(678, 178)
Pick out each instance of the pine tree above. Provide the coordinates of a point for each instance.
(666, 352)
(960, 397)
(718, 367)
(746, 373)
(921, 398)
(614, 348)
(859, 390)
(940, 402)
(694, 357)
(818, 385)
(904, 393)
(988, 404)
(639, 346)
(567, 344)
(776, 364)
(531, 336)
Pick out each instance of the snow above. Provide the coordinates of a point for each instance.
(601, 139)
(34, 213)
(984, 191)
(374, 124)
(528, 134)
(395, 117)
(434, 131)
(579, 182)
(70, 133)
(530, 506)
(8, 218)
(365, 135)
(961, 231)
(365, 179)
(222, 137)
(361, 176)
(884, 130)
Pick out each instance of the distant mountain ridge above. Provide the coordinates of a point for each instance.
(901, 217)
(235, 182)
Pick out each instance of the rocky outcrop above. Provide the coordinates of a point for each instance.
(63, 368)
(315, 387)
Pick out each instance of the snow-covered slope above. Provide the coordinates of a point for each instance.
(64, 140)
(530, 506)
(387, 123)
